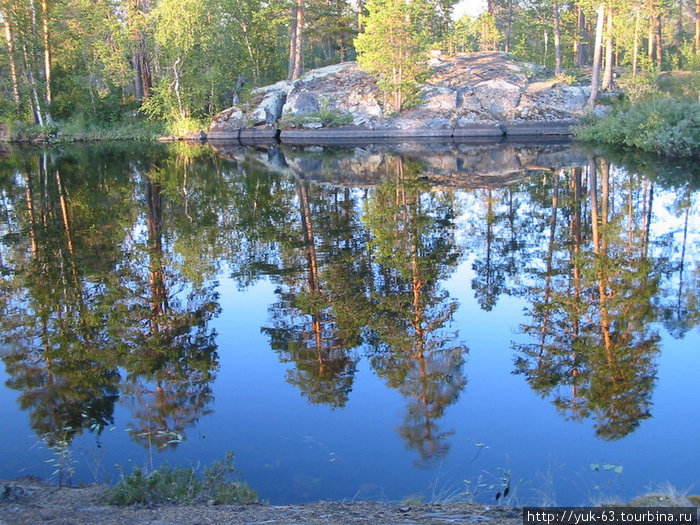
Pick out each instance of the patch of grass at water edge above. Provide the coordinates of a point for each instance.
(216, 484)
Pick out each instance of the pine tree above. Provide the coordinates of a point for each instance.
(391, 49)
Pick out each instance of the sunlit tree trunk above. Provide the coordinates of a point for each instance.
(580, 42)
(361, 14)
(41, 93)
(678, 35)
(47, 48)
(596, 56)
(650, 35)
(34, 99)
(9, 40)
(557, 41)
(292, 40)
(143, 81)
(608, 73)
(659, 42)
(509, 25)
(635, 51)
(296, 64)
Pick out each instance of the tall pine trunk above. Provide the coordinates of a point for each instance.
(635, 51)
(296, 64)
(659, 42)
(47, 48)
(580, 43)
(9, 40)
(608, 74)
(139, 60)
(650, 37)
(557, 40)
(597, 52)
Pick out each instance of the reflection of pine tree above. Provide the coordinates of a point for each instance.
(592, 307)
(52, 322)
(498, 244)
(681, 308)
(414, 251)
(170, 353)
(319, 317)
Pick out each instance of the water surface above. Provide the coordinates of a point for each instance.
(376, 322)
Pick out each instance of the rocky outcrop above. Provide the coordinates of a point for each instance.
(257, 118)
(469, 95)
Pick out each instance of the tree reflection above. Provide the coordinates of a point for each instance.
(87, 300)
(592, 308)
(59, 357)
(319, 317)
(414, 247)
(170, 354)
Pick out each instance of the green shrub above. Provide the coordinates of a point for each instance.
(325, 117)
(182, 127)
(662, 125)
(182, 485)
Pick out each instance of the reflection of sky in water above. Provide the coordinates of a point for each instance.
(291, 451)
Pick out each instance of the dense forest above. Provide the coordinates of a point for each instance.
(181, 61)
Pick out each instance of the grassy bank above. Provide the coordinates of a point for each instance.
(658, 114)
(662, 125)
(85, 131)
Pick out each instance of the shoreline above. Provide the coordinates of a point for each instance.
(30, 500)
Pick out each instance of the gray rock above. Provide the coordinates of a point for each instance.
(498, 97)
(467, 99)
(13, 492)
(269, 109)
(437, 98)
(227, 124)
(361, 105)
(343, 89)
(570, 100)
(301, 103)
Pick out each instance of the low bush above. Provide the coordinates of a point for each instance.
(661, 125)
(325, 117)
(216, 484)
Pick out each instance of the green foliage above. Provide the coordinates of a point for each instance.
(81, 129)
(325, 117)
(663, 125)
(182, 485)
(640, 86)
(391, 49)
(182, 127)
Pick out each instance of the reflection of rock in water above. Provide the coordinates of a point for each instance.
(442, 164)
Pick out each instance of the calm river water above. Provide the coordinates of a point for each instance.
(373, 322)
